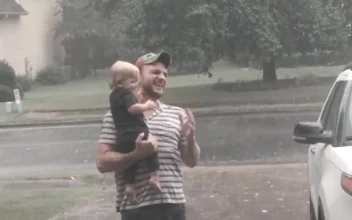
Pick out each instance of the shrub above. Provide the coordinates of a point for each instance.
(321, 58)
(7, 74)
(50, 76)
(25, 82)
(6, 94)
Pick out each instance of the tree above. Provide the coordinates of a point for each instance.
(186, 28)
(198, 32)
(265, 30)
(94, 32)
(253, 31)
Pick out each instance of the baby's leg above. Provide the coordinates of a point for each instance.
(130, 191)
(153, 167)
(126, 145)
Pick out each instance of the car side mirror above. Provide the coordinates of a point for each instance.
(311, 133)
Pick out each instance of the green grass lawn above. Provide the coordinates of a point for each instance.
(41, 204)
(93, 91)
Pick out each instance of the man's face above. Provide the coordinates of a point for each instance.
(153, 79)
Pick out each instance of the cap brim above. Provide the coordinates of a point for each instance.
(163, 57)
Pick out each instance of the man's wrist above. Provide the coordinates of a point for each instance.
(136, 155)
(191, 141)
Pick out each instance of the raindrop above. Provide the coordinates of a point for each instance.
(264, 211)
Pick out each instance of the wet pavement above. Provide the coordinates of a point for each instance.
(238, 191)
(241, 139)
(248, 193)
(258, 192)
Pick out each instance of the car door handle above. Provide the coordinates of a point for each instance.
(312, 150)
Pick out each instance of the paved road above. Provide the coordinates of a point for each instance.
(237, 139)
(272, 192)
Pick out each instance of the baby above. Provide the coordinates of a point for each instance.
(129, 121)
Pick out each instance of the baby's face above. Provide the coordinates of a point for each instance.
(131, 84)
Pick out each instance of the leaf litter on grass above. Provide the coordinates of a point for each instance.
(42, 199)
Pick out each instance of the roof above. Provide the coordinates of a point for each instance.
(348, 66)
(11, 7)
(345, 75)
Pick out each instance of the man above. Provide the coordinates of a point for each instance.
(172, 132)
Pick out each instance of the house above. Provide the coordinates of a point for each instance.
(27, 29)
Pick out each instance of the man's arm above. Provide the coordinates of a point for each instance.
(107, 160)
(190, 150)
(190, 153)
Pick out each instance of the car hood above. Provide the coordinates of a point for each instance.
(342, 158)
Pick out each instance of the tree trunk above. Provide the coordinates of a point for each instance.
(269, 69)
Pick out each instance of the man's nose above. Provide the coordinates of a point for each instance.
(161, 76)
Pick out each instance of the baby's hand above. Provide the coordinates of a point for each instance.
(139, 94)
(150, 105)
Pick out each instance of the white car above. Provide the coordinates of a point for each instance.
(330, 153)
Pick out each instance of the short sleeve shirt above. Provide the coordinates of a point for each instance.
(165, 126)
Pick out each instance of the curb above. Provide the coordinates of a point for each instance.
(199, 112)
(192, 105)
(51, 124)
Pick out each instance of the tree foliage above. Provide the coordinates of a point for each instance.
(198, 32)
(94, 33)
(187, 28)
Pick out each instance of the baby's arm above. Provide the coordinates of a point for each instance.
(139, 108)
(133, 106)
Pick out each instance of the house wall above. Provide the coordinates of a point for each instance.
(31, 36)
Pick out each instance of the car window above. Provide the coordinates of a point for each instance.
(331, 110)
(328, 104)
(348, 119)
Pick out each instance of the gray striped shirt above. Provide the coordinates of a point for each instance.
(165, 126)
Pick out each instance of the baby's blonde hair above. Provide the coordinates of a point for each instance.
(120, 71)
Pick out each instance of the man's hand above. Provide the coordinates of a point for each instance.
(145, 148)
(188, 125)
(190, 150)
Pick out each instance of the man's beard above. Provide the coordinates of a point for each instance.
(149, 91)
